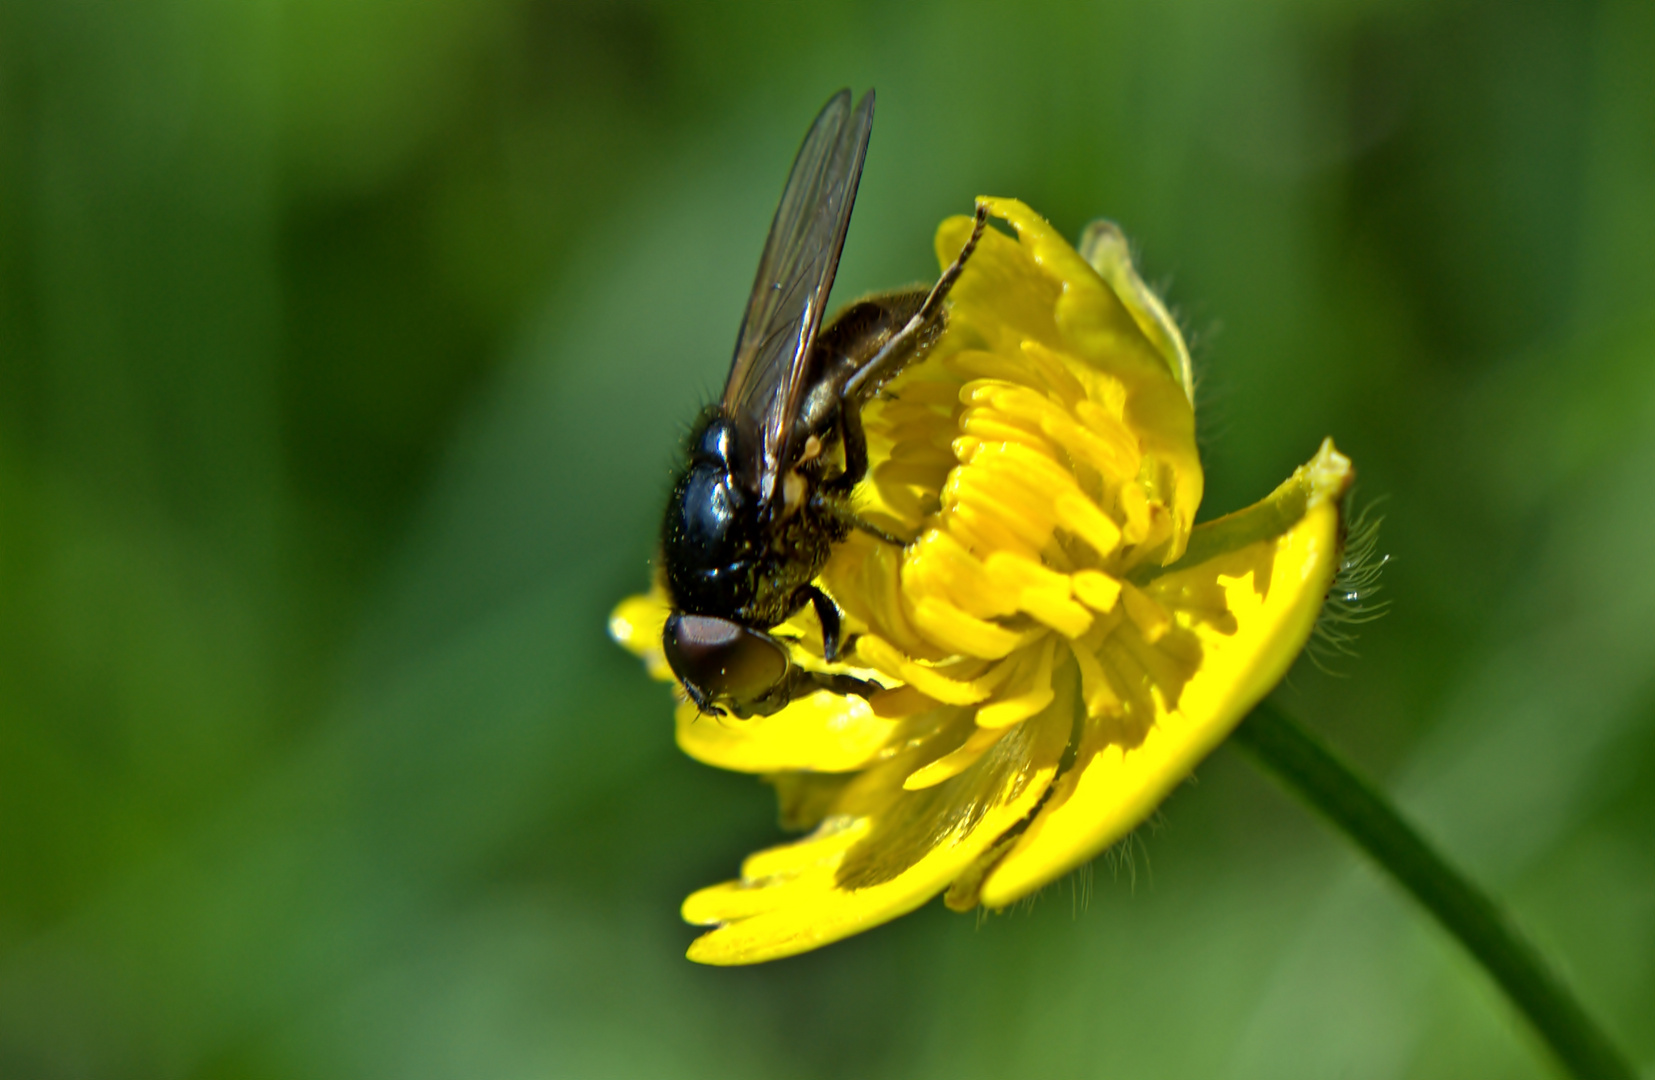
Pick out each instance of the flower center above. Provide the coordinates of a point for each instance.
(1033, 504)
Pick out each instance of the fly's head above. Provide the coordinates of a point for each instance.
(727, 667)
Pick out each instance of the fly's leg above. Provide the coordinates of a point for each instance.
(800, 682)
(827, 613)
(703, 703)
(897, 350)
(866, 382)
(864, 525)
(939, 292)
(861, 524)
(844, 685)
(885, 363)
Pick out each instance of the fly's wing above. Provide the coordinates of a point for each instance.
(765, 389)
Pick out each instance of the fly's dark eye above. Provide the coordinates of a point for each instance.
(723, 661)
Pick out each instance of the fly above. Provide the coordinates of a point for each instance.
(766, 491)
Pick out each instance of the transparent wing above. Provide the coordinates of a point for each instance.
(801, 255)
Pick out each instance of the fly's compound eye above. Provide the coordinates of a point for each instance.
(724, 663)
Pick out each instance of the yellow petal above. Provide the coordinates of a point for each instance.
(1110, 328)
(1004, 295)
(1152, 620)
(1103, 245)
(636, 625)
(803, 799)
(947, 625)
(955, 683)
(820, 732)
(1273, 563)
(1029, 693)
(955, 761)
(896, 850)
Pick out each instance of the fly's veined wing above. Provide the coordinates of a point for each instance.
(795, 275)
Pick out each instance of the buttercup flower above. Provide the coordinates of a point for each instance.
(1059, 645)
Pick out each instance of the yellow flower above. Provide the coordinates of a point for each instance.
(1060, 644)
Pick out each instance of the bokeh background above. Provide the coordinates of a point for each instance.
(344, 348)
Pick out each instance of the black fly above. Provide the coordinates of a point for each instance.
(766, 492)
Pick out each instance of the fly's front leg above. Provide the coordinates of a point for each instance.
(844, 685)
(802, 681)
(827, 613)
(703, 704)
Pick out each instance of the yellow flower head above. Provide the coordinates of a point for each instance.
(1060, 644)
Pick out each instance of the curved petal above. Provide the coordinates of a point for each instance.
(882, 853)
(1104, 246)
(1094, 321)
(1248, 591)
(820, 732)
(636, 624)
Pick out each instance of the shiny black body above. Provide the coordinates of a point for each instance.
(766, 491)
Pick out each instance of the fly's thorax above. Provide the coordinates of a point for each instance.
(728, 554)
(711, 535)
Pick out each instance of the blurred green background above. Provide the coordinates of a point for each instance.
(344, 348)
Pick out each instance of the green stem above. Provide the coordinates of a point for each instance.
(1306, 765)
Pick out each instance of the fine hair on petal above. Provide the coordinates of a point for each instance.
(1351, 602)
